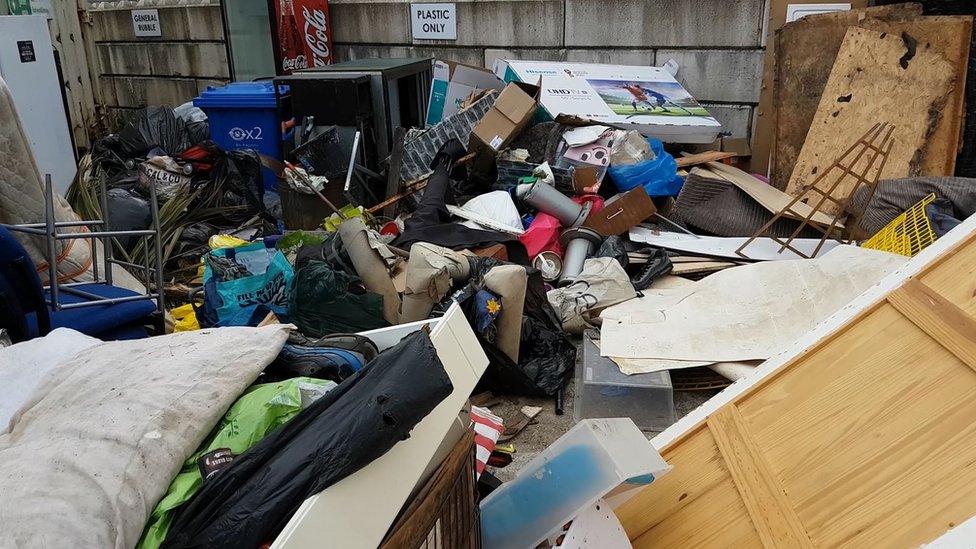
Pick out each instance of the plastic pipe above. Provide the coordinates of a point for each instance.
(547, 199)
(579, 243)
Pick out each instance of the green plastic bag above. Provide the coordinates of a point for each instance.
(324, 301)
(259, 411)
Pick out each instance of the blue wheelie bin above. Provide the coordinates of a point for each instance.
(244, 115)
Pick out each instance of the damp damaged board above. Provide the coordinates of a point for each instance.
(809, 52)
(877, 78)
(861, 433)
(806, 50)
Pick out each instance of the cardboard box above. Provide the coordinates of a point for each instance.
(621, 213)
(452, 84)
(646, 99)
(512, 111)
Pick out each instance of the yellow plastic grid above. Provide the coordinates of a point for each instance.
(907, 234)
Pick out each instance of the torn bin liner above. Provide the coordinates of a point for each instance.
(431, 222)
(546, 356)
(360, 420)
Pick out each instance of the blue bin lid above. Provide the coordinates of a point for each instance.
(239, 94)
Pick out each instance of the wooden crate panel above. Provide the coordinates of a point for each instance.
(866, 437)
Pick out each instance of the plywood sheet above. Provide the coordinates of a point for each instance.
(804, 52)
(866, 427)
(875, 79)
(807, 50)
(762, 134)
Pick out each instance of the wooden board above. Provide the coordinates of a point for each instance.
(766, 195)
(807, 50)
(702, 158)
(874, 80)
(763, 132)
(862, 433)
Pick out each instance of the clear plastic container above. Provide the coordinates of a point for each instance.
(603, 391)
(591, 459)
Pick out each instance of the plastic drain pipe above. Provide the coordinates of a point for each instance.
(430, 272)
(547, 199)
(370, 266)
(580, 243)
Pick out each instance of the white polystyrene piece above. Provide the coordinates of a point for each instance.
(588, 462)
(357, 511)
(596, 527)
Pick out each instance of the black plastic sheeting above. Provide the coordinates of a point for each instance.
(250, 502)
(431, 222)
(546, 356)
(153, 127)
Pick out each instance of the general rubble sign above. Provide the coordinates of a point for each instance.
(146, 23)
(434, 21)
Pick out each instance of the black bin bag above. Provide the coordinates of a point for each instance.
(251, 501)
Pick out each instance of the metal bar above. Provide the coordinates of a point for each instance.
(107, 243)
(60, 224)
(158, 245)
(103, 234)
(108, 301)
(52, 243)
(352, 162)
(28, 230)
(73, 290)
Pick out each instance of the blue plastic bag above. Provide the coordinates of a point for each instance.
(266, 281)
(659, 176)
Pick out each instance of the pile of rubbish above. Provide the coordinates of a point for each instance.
(613, 255)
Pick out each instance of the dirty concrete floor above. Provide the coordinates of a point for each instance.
(548, 426)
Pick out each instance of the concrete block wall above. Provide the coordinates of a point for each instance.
(135, 72)
(718, 43)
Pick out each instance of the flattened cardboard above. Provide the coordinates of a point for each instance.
(452, 84)
(511, 112)
(622, 212)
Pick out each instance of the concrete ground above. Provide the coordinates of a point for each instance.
(548, 426)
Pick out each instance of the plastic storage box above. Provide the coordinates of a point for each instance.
(592, 459)
(603, 391)
(244, 115)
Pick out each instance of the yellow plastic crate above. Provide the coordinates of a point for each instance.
(907, 234)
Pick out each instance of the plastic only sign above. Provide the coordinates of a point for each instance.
(433, 21)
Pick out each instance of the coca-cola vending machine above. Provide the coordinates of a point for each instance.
(302, 34)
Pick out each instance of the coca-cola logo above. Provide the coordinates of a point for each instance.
(298, 62)
(317, 36)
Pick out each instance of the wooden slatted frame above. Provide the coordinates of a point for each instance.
(945, 322)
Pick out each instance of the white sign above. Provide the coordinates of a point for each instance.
(146, 23)
(434, 21)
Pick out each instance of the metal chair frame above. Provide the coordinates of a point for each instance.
(49, 229)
